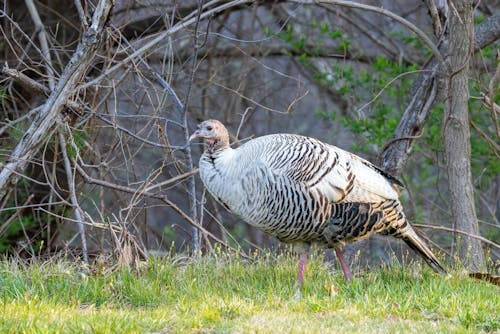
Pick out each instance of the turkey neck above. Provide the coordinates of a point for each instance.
(217, 144)
(219, 170)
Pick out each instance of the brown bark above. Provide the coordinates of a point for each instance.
(422, 98)
(457, 135)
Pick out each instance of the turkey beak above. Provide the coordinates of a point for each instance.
(195, 135)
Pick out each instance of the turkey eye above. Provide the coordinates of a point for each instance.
(209, 128)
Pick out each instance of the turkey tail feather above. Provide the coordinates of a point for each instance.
(418, 245)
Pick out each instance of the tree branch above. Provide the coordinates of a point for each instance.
(74, 201)
(42, 37)
(422, 98)
(487, 32)
(423, 36)
(447, 229)
(160, 197)
(158, 38)
(46, 119)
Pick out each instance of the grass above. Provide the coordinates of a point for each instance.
(225, 294)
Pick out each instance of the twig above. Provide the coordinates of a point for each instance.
(72, 193)
(175, 179)
(20, 209)
(447, 229)
(133, 135)
(397, 77)
(81, 14)
(242, 121)
(35, 86)
(25, 81)
(156, 76)
(47, 117)
(490, 141)
(42, 37)
(10, 124)
(246, 98)
(163, 198)
(161, 36)
(436, 20)
(360, 23)
(427, 41)
(191, 183)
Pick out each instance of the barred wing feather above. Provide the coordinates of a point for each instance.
(328, 170)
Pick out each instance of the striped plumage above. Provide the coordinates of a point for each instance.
(304, 191)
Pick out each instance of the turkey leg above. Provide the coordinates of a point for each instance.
(345, 268)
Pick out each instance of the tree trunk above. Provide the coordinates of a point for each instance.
(457, 135)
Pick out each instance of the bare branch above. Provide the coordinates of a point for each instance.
(46, 118)
(190, 182)
(81, 14)
(34, 86)
(25, 81)
(20, 209)
(74, 201)
(447, 229)
(425, 39)
(436, 19)
(163, 198)
(42, 37)
(158, 38)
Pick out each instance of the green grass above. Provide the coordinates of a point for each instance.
(225, 294)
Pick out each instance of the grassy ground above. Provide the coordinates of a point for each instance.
(225, 294)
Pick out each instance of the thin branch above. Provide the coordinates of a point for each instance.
(36, 87)
(172, 180)
(397, 77)
(436, 20)
(25, 81)
(74, 201)
(42, 37)
(46, 119)
(191, 183)
(158, 38)
(490, 141)
(81, 14)
(20, 209)
(425, 39)
(242, 121)
(156, 76)
(447, 229)
(163, 198)
(133, 135)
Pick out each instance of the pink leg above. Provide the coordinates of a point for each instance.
(345, 268)
(302, 267)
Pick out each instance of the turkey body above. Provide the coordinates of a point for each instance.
(303, 191)
(299, 189)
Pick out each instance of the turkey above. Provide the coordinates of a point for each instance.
(303, 191)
